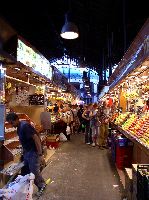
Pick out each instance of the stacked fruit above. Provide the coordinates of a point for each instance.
(121, 118)
(114, 116)
(140, 128)
(130, 122)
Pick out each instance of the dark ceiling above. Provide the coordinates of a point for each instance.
(101, 26)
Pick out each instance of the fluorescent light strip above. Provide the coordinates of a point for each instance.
(16, 79)
(17, 68)
(144, 67)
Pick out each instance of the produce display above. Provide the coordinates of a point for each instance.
(114, 116)
(129, 122)
(139, 128)
(135, 125)
(121, 118)
(55, 118)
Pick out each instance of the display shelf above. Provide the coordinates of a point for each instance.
(8, 141)
(133, 138)
(10, 135)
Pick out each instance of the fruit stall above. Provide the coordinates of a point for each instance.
(128, 101)
(129, 91)
(131, 115)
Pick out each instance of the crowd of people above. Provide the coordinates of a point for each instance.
(92, 120)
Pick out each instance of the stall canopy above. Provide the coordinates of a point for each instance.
(135, 55)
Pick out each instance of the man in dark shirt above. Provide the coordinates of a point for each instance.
(32, 149)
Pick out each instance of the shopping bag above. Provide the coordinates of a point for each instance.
(62, 137)
(68, 130)
(20, 189)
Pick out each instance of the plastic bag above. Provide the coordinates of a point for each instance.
(62, 137)
(21, 188)
(68, 130)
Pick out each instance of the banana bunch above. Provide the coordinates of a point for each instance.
(131, 94)
(8, 85)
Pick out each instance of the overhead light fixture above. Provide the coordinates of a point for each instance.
(144, 67)
(69, 30)
(36, 77)
(28, 73)
(17, 68)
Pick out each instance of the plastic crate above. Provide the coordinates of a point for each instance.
(52, 141)
(52, 144)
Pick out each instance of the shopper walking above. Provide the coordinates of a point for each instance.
(32, 148)
(76, 122)
(86, 117)
(81, 128)
(93, 124)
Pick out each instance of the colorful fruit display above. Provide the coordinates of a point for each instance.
(114, 116)
(138, 126)
(121, 118)
(129, 122)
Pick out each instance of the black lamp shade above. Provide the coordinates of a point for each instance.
(69, 30)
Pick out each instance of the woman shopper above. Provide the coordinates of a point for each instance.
(93, 124)
(104, 128)
(86, 117)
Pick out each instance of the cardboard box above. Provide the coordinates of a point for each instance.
(53, 138)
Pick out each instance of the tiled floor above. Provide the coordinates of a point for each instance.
(81, 172)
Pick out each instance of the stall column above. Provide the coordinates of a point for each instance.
(2, 113)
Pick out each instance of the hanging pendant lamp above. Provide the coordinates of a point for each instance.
(69, 30)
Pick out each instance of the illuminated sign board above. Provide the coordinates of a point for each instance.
(33, 59)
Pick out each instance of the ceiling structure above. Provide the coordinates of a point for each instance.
(106, 28)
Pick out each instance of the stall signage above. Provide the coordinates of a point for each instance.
(33, 59)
